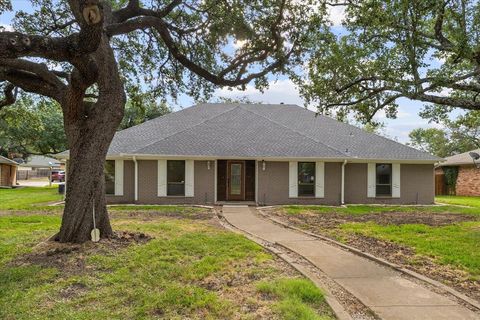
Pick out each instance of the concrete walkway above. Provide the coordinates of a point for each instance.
(382, 289)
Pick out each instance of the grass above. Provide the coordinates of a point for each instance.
(456, 244)
(38, 198)
(160, 208)
(458, 200)
(28, 198)
(299, 298)
(169, 277)
(18, 234)
(368, 209)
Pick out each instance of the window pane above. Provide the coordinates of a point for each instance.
(175, 178)
(384, 190)
(235, 179)
(109, 176)
(306, 178)
(384, 179)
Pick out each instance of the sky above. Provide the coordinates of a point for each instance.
(283, 90)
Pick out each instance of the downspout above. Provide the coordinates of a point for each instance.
(136, 178)
(342, 196)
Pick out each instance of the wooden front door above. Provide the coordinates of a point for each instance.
(235, 180)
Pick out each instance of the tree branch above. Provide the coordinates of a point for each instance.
(162, 28)
(10, 92)
(63, 49)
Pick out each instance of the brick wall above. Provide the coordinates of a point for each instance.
(468, 181)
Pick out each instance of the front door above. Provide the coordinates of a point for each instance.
(236, 180)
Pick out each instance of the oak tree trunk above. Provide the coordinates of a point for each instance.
(90, 127)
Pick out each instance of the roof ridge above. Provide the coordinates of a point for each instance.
(297, 132)
(197, 124)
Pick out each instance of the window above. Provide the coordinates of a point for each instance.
(306, 179)
(109, 176)
(175, 178)
(384, 179)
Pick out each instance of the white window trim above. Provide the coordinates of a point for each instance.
(189, 178)
(162, 178)
(371, 180)
(319, 179)
(119, 170)
(293, 179)
(396, 167)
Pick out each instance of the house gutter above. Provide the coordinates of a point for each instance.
(342, 196)
(136, 177)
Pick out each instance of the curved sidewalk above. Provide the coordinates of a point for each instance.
(382, 289)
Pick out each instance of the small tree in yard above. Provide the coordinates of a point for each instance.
(88, 55)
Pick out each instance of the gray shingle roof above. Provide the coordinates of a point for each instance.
(8, 161)
(257, 130)
(459, 159)
(40, 162)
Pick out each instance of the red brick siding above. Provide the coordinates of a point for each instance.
(468, 181)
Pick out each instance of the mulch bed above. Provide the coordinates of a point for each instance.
(328, 224)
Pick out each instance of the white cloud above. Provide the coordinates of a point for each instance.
(445, 92)
(237, 44)
(336, 15)
(278, 91)
(6, 27)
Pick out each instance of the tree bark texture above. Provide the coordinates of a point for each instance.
(90, 128)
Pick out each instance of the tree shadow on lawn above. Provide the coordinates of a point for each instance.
(184, 268)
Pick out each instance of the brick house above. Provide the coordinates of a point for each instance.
(261, 154)
(8, 172)
(468, 179)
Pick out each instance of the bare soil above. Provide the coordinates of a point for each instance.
(70, 258)
(333, 220)
(236, 283)
(328, 224)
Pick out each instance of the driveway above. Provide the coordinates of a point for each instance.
(384, 290)
(35, 183)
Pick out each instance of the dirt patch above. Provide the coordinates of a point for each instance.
(238, 284)
(333, 219)
(328, 224)
(405, 256)
(200, 214)
(70, 258)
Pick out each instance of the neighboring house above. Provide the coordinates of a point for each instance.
(8, 171)
(264, 154)
(37, 167)
(468, 178)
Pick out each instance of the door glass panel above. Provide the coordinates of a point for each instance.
(235, 179)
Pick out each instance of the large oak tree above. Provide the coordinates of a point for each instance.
(426, 50)
(89, 54)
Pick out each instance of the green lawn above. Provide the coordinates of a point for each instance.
(189, 270)
(457, 200)
(28, 198)
(368, 209)
(18, 234)
(456, 244)
(38, 198)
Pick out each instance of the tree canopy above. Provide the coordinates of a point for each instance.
(32, 127)
(453, 136)
(90, 55)
(421, 50)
